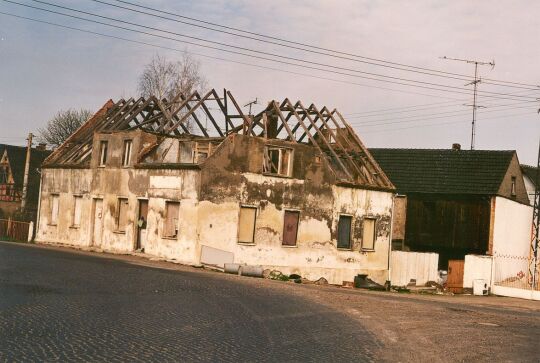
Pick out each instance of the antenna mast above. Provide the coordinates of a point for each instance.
(475, 86)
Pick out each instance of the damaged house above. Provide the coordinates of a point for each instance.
(196, 180)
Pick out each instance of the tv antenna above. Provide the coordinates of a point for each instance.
(475, 87)
(251, 103)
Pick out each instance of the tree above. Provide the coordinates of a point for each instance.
(164, 78)
(62, 125)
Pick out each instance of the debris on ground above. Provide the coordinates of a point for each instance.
(361, 281)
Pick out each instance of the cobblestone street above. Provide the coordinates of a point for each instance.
(65, 305)
(62, 306)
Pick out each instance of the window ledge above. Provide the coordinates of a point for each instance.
(287, 246)
(344, 249)
(74, 227)
(368, 250)
(246, 243)
(52, 224)
(174, 238)
(277, 175)
(119, 232)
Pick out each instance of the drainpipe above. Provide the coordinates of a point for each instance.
(36, 228)
(390, 237)
(26, 171)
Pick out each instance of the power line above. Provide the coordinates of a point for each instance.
(219, 58)
(425, 117)
(436, 124)
(291, 42)
(494, 105)
(414, 108)
(430, 72)
(452, 89)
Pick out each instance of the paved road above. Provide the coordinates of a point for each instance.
(63, 306)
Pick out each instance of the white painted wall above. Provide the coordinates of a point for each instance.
(216, 225)
(511, 239)
(476, 267)
(315, 254)
(512, 228)
(413, 265)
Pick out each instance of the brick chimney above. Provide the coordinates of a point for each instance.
(456, 147)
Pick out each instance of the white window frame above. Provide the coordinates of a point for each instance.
(121, 228)
(266, 162)
(252, 242)
(77, 212)
(126, 155)
(164, 232)
(374, 236)
(54, 211)
(103, 150)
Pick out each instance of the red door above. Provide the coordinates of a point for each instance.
(290, 227)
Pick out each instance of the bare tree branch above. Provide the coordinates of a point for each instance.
(165, 78)
(62, 125)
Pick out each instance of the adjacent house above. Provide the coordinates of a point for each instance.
(195, 179)
(12, 166)
(530, 177)
(458, 202)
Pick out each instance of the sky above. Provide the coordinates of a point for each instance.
(45, 68)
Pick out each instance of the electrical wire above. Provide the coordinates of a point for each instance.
(394, 80)
(296, 43)
(219, 58)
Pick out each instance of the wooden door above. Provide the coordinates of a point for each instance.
(290, 227)
(97, 231)
(455, 275)
(141, 224)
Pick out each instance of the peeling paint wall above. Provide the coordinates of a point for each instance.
(210, 198)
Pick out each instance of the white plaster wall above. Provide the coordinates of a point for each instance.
(206, 223)
(413, 265)
(477, 267)
(66, 183)
(511, 239)
(512, 228)
(109, 185)
(315, 254)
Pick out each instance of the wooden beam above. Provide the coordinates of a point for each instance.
(323, 138)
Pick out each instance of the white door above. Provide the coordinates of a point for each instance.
(98, 222)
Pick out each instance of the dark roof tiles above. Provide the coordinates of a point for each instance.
(444, 171)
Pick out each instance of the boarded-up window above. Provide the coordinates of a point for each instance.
(122, 214)
(246, 225)
(77, 206)
(278, 161)
(102, 153)
(513, 187)
(368, 235)
(126, 157)
(172, 209)
(290, 227)
(344, 232)
(55, 204)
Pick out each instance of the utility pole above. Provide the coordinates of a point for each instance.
(26, 172)
(533, 255)
(475, 87)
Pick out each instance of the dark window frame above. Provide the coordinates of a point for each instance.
(349, 244)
